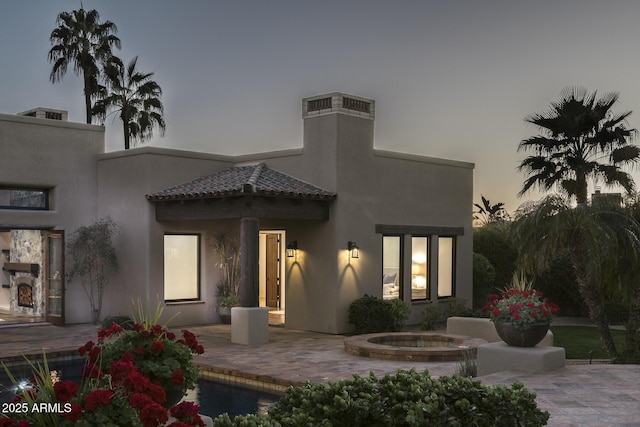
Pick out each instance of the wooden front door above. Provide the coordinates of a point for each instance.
(273, 270)
(54, 276)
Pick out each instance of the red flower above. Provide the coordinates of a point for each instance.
(139, 400)
(85, 348)
(157, 347)
(121, 369)
(136, 382)
(65, 390)
(516, 316)
(157, 393)
(177, 377)
(534, 314)
(188, 413)
(153, 415)
(97, 398)
(496, 312)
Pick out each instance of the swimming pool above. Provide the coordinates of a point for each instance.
(213, 397)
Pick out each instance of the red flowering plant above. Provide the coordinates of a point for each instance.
(156, 352)
(521, 306)
(124, 380)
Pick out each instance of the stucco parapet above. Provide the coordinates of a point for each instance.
(423, 159)
(49, 122)
(172, 152)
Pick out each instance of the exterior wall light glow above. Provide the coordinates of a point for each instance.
(353, 249)
(292, 247)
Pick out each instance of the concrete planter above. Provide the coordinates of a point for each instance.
(529, 337)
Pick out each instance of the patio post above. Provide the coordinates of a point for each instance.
(249, 255)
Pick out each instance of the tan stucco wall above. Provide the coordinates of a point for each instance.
(373, 187)
(60, 156)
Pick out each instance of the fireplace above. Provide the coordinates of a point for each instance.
(24, 287)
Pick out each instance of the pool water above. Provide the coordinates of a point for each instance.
(213, 397)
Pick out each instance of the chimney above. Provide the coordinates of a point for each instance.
(338, 103)
(46, 113)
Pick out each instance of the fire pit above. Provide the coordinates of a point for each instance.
(412, 346)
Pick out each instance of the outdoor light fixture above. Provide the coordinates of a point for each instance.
(292, 247)
(353, 249)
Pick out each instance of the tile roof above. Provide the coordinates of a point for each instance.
(240, 180)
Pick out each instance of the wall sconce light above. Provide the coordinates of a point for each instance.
(292, 247)
(353, 249)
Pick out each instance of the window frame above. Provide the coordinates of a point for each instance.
(198, 277)
(400, 278)
(45, 193)
(453, 267)
(427, 272)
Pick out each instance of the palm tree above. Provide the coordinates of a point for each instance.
(600, 242)
(81, 40)
(135, 97)
(488, 213)
(581, 139)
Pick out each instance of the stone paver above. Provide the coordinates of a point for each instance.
(576, 395)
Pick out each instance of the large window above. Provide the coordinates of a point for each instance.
(181, 267)
(24, 198)
(391, 263)
(446, 266)
(419, 268)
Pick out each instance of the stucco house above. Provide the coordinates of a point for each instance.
(355, 219)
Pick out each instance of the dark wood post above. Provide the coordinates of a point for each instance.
(249, 254)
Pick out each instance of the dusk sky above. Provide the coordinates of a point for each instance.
(451, 79)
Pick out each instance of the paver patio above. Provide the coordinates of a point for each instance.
(577, 395)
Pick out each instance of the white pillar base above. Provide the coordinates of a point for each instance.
(249, 325)
(498, 357)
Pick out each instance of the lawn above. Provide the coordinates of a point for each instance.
(578, 341)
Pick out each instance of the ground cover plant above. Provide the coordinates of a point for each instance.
(580, 341)
(406, 398)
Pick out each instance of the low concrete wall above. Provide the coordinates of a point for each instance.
(478, 327)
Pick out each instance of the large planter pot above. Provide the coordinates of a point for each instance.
(174, 395)
(225, 314)
(529, 337)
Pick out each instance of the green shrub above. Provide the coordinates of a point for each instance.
(484, 280)
(370, 314)
(407, 398)
(244, 421)
(431, 317)
(124, 321)
(493, 242)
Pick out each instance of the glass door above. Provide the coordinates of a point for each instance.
(54, 277)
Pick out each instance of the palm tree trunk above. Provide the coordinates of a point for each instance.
(87, 99)
(632, 336)
(593, 299)
(125, 128)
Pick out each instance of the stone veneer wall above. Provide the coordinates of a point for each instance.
(27, 246)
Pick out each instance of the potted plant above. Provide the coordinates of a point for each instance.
(227, 252)
(154, 351)
(521, 314)
(128, 379)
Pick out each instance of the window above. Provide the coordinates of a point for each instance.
(391, 271)
(24, 198)
(419, 268)
(427, 280)
(446, 265)
(181, 267)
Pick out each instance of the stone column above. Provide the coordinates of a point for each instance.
(249, 255)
